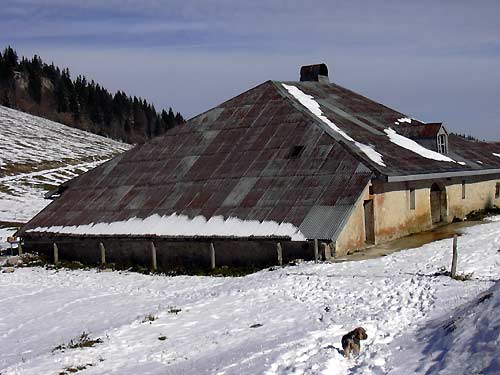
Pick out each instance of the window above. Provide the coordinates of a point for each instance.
(442, 144)
(295, 152)
(497, 190)
(463, 189)
(412, 199)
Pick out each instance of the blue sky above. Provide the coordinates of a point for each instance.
(436, 61)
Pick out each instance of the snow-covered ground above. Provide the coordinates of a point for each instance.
(37, 154)
(284, 321)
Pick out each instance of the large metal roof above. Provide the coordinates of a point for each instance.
(259, 156)
(255, 157)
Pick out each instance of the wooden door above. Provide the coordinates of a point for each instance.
(436, 204)
(369, 222)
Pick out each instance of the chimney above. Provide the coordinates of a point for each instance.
(316, 72)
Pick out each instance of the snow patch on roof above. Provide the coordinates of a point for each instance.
(313, 106)
(496, 154)
(462, 162)
(182, 226)
(404, 119)
(371, 153)
(415, 147)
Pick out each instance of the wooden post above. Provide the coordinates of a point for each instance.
(325, 251)
(316, 250)
(56, 254)
(212, 255)
(19, 248)
(280, 253)
(103, 253)
(154, 265)
(454, 258)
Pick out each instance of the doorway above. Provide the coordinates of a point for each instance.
(369, 222)
(438, 203)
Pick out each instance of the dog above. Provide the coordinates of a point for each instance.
(351, 341)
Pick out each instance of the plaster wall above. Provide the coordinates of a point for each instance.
(353, 235)
(394, 218)
(478, 196)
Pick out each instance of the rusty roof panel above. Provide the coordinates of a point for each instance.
(258, 156)
(366, 121)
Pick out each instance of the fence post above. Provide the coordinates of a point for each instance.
(454, 257)
(153, 256)
(103, 253)
(280, 253)
(56, 254)
(212, 255)
(316, 250)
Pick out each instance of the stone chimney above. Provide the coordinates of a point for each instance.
(316, 72)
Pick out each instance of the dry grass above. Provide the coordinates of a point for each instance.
(84, 341)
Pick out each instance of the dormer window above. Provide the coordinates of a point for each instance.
(442, 144)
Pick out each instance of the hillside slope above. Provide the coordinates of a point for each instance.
(44, 90)
(36, 155)
(463, 342)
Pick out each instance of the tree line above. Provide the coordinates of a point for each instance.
(79, 102)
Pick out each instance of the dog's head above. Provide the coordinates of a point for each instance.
(361, 333)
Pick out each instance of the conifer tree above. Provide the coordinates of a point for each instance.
(92, 107)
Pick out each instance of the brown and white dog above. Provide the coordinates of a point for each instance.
(350, 341)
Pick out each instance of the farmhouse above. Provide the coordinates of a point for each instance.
(269, 172)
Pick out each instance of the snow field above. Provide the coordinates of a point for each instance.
(303, 312)
(37, 155)
(31, 139)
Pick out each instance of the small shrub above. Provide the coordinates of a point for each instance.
(84, 341)
(149, 318)
(479, 215)
(73, 369)
(459, 276)
(174, 310)
(442, 272)
(463, 276)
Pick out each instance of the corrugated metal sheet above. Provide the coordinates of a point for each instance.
(365, 121)
(326, 222)
(234, 160)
